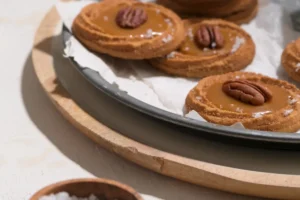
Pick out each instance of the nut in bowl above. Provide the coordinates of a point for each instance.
(89, 188)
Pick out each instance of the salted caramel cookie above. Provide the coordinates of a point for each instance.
(211, 47)
(290, 60)
(257, 101)
(128, 29)
(237, 11)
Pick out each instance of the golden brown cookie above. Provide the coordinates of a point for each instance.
(237, 11)
(196, 60)
(290, 60)
(257, 101)
(128, 29)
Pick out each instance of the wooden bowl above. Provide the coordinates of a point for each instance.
(85, 187)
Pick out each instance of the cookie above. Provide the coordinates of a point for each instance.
(197, 59)
(256, 101)
(237, 11)
(128, 29)
(290, 59)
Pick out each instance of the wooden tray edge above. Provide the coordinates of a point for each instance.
(197, 172)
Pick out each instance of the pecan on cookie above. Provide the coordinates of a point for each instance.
(129, 29)
(247, 92)
(131, 17)
(258, 102)
(209, 36)
(211, 47)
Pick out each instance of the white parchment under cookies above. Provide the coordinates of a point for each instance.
(271, 30)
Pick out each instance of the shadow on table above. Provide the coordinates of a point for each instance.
(93, 158)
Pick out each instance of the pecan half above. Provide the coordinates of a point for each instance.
(131, 18)
(247, 92)
(210, 36)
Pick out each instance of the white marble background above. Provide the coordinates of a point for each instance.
(38, 146)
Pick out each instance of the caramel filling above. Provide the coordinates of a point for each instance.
(191, 47)
(156, 24)
(217, 97)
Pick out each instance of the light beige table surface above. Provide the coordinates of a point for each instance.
(37, 145)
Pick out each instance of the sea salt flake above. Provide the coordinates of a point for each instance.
(287, 112)
(105, 18)
(237, 77)
(169, 22)
(260, 114)
(171, 55)
(257, 115)
(66, 196)
(205, 49)
(238, 43)
(239, 110)
(198, 98)
(297, 67)
(149, 33)
(190, 34)
(292, 101)
(167, 39)
(213, 45)
(187, 48)
(157, 11)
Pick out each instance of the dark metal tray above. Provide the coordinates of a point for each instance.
(218, 132)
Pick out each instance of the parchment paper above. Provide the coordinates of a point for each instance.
(271, 30)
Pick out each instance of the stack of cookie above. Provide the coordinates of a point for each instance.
(213, 49)
(238, 11)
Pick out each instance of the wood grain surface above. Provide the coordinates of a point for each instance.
(278, 186)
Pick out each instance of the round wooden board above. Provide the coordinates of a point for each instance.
(269, 185)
